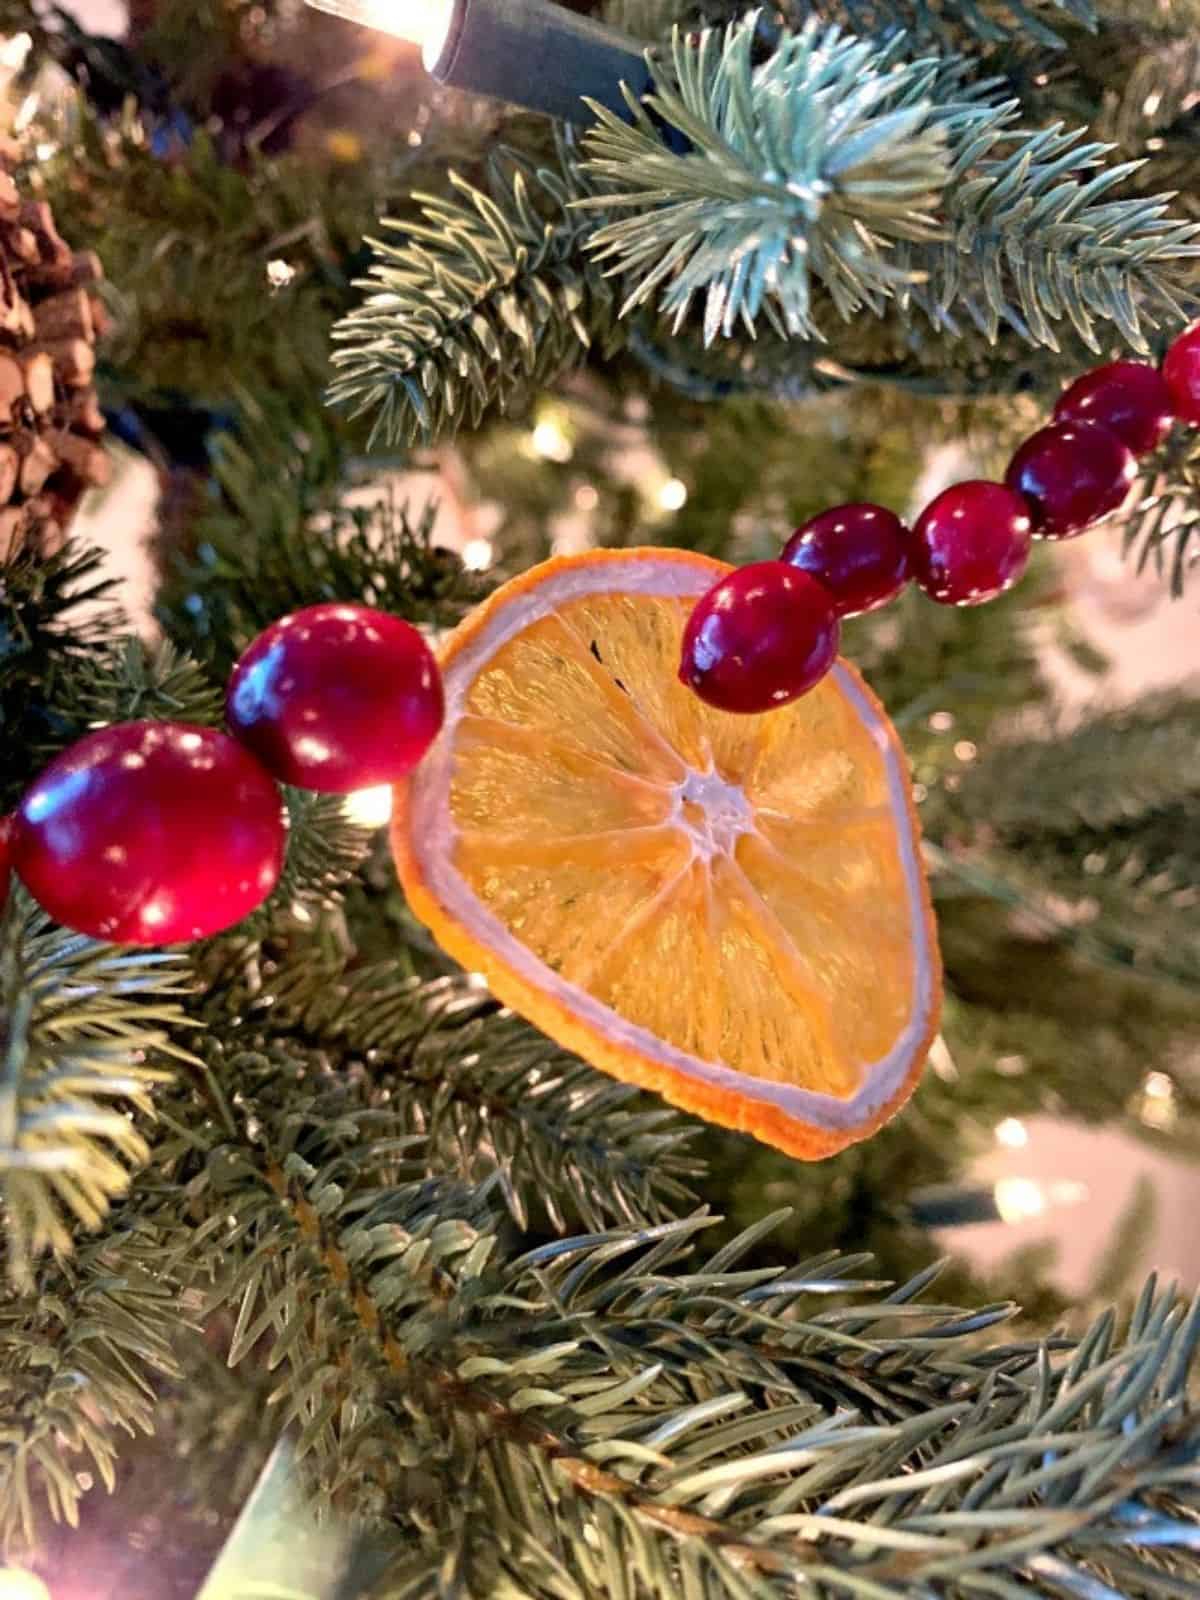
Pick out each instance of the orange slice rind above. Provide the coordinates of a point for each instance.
(728, 910)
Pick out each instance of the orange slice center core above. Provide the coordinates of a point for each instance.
(712, 812)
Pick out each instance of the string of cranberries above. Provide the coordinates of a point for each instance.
(155, 832)
(152, 832)
(767, 633)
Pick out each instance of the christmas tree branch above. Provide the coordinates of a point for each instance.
(806, 168)
(326, 848)
(835, 162)
(691, 1423)
(968, 24)
(57, 625)
(284, 534)
(87, 1033)
(133, 681)
(1161, 519)
(490, 1096)
(1103, 774)
(484, 297)
(79, 1358)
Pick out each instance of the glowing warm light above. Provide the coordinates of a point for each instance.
(1011, 1066)
(478, 555)
(1022, 1199)
(965, 750)
(368, 808)
(26, 111)
(1157, 1108)
(18, 1585)
(673, 495)
(1012, 1133)
(280, 273)
(587, 498)
(1019, 1199)
(550, 441)
(13, 51)
(423, 22)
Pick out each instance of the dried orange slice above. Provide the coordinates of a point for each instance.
(729, 910)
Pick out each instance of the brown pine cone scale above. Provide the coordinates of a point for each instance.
(50, 418)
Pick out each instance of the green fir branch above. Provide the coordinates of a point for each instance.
(609, 1404)
(325, 850)
(956, 25)
(1158, 92)
(617, 1402)
(1107, 771)
(80, 1356)
(805, 168)
(135, 681)
(287, 532)
(87, 1034)
(492, 1098)
(58, 621)
(834, 162)
(1160, 523)
(482, 298)
(1036, 238)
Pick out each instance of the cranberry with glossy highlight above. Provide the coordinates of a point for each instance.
(858, 552)
(971, 543)
(149, 833)
(337, 697)
(1072, 474)
(762, 636)
(1129, 398)
(1181, 374)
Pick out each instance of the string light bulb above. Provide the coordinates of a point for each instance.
(1012, 1133)
(17, 1584)
(530, 53)
(478, 555)
(422, 22)
(365, 808)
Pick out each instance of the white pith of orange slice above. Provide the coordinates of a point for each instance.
(730, 910)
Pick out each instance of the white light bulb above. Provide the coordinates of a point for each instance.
(13, 51)
(673, 495)
(366, 808)
(550, 441)
(1022, 1199)
(1012, 1133)
(18, 1585)
(478, 555)
(423, 22)
(1019, 1199)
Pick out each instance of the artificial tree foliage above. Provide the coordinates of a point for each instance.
(521, 1330)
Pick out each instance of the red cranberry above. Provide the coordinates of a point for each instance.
(1181, 372)
(1129, 398)
(151, 832)
(761, 637)
(337, 697)
(858, 552)
(971, 543)
(1072, 474)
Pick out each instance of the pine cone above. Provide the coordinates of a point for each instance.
(50, 420)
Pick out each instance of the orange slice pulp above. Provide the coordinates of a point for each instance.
(729, 910)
